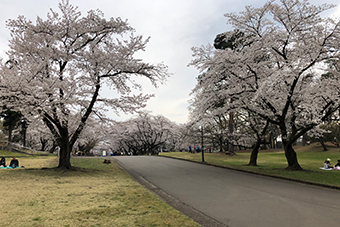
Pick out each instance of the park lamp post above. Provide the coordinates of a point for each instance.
(202, 145)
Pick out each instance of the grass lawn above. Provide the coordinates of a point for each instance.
(100, 195)
(273, 162)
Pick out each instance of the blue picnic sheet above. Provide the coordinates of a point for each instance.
(8, 167)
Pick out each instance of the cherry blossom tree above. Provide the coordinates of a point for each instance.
(146, 134)
(39, 137)
(94, 133)
(58, 67)
(279, 70)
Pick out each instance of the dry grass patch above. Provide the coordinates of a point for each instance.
(100, 195)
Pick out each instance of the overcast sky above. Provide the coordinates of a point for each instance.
(174, 27)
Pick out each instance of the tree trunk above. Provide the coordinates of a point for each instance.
(65, 156)
(220, 141)
(304, 139)
(231, 131)
(24, 127)
(10, 130)
(254, 153)
(24, 138)
(271, 141)
(43, 144)
(54, 146)
(291, 157)
(323, 144)
(65, 151)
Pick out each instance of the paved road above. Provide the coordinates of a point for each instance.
(236, 198)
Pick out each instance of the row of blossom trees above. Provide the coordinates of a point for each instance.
(144, 134)
(277, 72)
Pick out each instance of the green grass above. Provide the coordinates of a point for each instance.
(103, 195)
(273, 162)
(96, 194)
(8, 154)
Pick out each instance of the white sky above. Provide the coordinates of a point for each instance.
(174, 27)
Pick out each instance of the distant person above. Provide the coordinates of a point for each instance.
(190, 150)
(337, 164)
(3, 162)
(327, 164)
(14, 163)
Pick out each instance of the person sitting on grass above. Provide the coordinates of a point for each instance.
(3, 162)
(14, 163)
(337, 165)
(327, 164)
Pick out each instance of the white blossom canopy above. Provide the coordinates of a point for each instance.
(279, 69)
(58, 65)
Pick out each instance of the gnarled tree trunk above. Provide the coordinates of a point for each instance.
(291, 157)
(254, 153)
(65, 150)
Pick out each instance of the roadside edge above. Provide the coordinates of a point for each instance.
(185, 209)
(262, 174)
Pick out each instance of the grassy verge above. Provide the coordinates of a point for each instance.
(100, 195)
(274, 162)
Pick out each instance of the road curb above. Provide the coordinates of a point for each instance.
(185, 209)
(261, 174)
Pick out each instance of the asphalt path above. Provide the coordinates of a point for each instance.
(234, 198)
